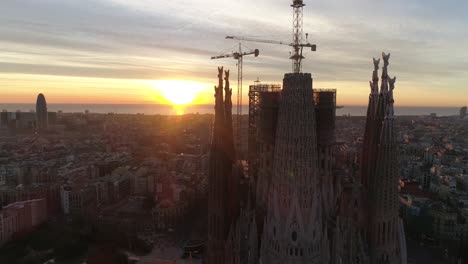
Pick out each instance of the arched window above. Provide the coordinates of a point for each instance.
(294, 236)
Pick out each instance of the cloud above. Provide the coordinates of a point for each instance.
(143, 39)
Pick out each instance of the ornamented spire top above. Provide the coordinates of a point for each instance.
(375, 77)
(390, 100)
(386, 58)
(376, 69)
(384, 85)
(228, 116)
(391, 82)
(226, 86)
(220, 77)
(219, 105)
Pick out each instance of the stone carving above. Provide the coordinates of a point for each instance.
(384, 85)
(376, 64)
(220, 72)
(391, 82)
(386, 58)
(223, 212)
(220, 77)
(226, 79)
(375, 77)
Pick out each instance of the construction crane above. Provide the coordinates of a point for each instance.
(239, 56)
(296, 43)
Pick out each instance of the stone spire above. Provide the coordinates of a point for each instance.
(384, 232)
(371, 113)
(293, 230)
(390, 109)
(382, 104)
(228, 115)
(223, 205)
(375, 126)
(375, 78)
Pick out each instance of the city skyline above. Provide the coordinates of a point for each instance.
(113, 51)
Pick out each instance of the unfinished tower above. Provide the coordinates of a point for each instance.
(325, 109)
(292, 231)
(263, 116)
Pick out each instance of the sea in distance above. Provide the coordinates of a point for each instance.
(154, 109)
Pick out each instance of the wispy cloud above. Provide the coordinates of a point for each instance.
(165, 39)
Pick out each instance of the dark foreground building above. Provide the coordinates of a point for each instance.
(223, 198)
(379, 173)
(307, 202)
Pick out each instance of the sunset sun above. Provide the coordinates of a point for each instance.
(178, 92)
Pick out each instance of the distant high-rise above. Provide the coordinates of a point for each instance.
(463, 112)
(41, 113)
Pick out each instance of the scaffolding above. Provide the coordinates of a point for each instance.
(256, 93)
(325, 109)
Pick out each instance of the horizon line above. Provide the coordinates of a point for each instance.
(195, 104)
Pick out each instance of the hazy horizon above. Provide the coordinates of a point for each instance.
(168, 109)
(212, 104)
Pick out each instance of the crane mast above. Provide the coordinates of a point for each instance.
(297, 57)
(240, 64)
(297, 37)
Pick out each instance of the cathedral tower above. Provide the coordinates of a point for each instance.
(380, 173)
(292, 231)
(223, 200)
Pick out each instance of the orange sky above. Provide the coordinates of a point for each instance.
(81, 90)
(138, 52)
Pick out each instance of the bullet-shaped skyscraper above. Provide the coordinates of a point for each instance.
(41, 113)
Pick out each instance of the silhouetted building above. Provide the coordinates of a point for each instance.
(384, 228)
(223, 197)
(311, 204)
(41, 113)
(3, 119)
(463, 112)
(52, 118)
(18, 121)
(263, 116)
(293, 223)
(325, 111)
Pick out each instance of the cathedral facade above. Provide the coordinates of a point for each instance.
(307, 201)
